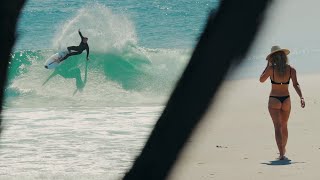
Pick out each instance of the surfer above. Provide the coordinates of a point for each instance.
(75, 50)
(280, 73)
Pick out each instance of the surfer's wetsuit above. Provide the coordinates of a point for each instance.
(78, 49)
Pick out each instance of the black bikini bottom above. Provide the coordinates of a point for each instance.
(280, 98)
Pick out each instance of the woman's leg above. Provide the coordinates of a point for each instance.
(275, 113)
(285, 113)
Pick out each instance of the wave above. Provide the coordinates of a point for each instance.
(136, 76)
(119, 72)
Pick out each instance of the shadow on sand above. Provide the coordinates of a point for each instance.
(71, 73)
(281, 162)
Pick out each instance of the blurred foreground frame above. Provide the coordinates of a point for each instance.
(9, 14)
(225, 41)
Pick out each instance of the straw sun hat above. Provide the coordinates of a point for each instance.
(275, 49)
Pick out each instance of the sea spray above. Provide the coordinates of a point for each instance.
(107, 31)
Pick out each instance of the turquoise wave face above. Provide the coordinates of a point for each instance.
(131, 74)
(138, 50)
(19, 63)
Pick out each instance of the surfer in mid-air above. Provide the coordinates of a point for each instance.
(75, 50)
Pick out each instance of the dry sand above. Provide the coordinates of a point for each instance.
(235, 140)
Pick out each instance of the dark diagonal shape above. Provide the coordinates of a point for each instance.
(9, 13)
(226, 39)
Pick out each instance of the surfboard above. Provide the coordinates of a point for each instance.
(54, 61)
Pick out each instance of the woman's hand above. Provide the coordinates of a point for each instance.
(303, 104)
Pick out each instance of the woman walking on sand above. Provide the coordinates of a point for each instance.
(280, 73)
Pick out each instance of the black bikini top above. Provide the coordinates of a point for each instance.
(273, 82)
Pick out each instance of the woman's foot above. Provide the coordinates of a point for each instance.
(282, 158)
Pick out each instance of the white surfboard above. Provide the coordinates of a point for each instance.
(54, 61)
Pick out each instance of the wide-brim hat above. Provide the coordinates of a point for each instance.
(275, 49)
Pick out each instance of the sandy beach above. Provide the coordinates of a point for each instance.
(236, 140)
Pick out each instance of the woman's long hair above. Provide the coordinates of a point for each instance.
(279, 61)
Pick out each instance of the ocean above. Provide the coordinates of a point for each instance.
(90, 119)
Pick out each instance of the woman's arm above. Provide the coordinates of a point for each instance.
(265, 74)
(297, 86)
